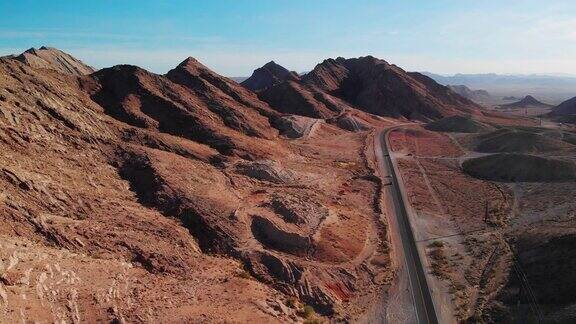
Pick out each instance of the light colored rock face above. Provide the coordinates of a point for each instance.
(265, 170)
(348, 122)
(54, 59)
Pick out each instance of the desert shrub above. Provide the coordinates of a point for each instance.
(436, 244)
(307, 312)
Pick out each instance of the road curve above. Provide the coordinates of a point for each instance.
(423, 304)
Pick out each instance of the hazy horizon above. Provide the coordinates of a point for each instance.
(444, 37)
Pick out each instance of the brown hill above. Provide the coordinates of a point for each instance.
(520, 168)
(197, 109)
(222, 94)
(214, 87)
(380, 88)
(268, 75)
(458, 124)
(566, 108)
(367, 84)
(54, 59)
(527, 102)
(514, 140)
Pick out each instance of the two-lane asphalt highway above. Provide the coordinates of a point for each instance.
(423, 304)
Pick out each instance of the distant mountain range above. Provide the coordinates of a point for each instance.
(478, 96)
(492, 88)
(550, 88)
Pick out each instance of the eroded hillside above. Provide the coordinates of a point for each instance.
(124, 188)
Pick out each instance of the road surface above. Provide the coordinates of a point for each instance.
(422, 299)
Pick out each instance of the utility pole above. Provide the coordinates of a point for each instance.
(486, 209)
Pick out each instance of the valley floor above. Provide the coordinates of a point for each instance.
(487, 243)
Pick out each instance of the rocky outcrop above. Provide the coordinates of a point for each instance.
(294, 126)
(143, 99)
(274, 236)
(265, 170)
(518, 141)
(299, 210)
(520, 168)
(350, 123)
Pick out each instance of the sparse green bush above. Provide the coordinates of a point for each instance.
(307, 311)
(436, 244)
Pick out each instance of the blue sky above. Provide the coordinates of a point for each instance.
(234, 37)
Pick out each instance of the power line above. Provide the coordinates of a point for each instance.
(533, 302)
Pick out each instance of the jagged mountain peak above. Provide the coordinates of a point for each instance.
(193, 66)
(206, 83)
(272, 64)
(268, 75)
(191, 62)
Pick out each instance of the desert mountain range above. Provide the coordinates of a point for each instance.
(548, 88)
(478, 96)
(121, 186)
(368, 84)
